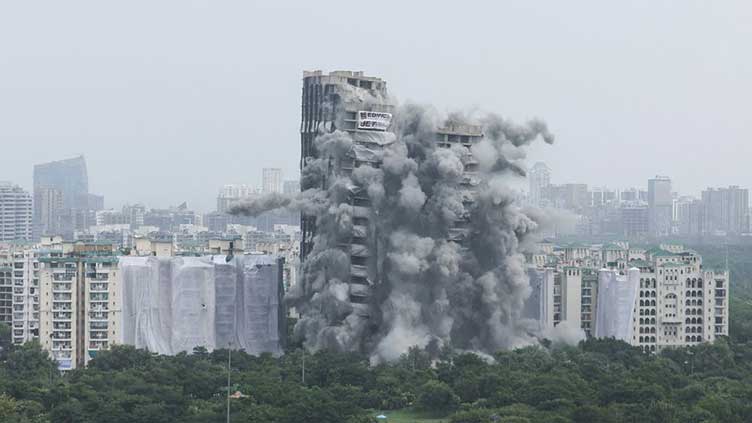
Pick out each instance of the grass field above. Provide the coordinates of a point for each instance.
(411, 416)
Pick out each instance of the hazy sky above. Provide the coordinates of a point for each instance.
(169, 100)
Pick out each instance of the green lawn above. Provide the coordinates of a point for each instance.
(411, 416)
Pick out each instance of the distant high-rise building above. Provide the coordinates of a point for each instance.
(726, 210)
(634, 220)
(232, 193)
(94, 202)
(67, 176)
(15, 213)
(569, 196)
(135, 214)
(540, 178)
(271, 180)
(689, 216)
(63, 188)
(48, 208)
(291, 187)
(660, 206)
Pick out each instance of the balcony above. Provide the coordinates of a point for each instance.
(61, 287)
(61, 346)
(63, 277)
(99, 287)
(99, 297)
(61, 336)
(98, 276)
(96, 345)
(60, 354)
(98, 316)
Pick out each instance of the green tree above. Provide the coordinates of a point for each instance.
(437, 396)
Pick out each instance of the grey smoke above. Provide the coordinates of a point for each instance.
(444, 261)
(309, 201)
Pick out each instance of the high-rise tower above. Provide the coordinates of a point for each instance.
(15, 213)
(63, 186)
(344, 100)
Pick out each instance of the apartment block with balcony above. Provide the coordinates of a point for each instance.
(25, 263)
(80, 305)
(6, 295)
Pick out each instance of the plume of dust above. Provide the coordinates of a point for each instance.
(441, 247)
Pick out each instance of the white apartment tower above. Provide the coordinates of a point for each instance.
(540, 178)
(25, 263)
(232, 193)
(271, 180)
(6, 294)
(80, 308)
(15, 213)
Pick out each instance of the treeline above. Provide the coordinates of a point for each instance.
(597, 381)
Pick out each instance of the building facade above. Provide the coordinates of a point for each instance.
(271, 180)
(59, 187)
(651, 298)
(660, 206)
(6, 294)
(24, 260)
(15, 213)
(79, 305)
(331, 102)
(726, 210)
(539, 177)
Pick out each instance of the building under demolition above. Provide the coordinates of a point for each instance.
(359, 105)
(409, 234)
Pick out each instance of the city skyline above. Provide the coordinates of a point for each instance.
(254, 184)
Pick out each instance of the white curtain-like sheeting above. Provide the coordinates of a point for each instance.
(615, 305)
(192, 304)
(174, 304)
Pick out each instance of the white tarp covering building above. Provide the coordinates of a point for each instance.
(616, 302)
(174, 304)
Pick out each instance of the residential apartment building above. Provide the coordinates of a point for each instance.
(660, 206)
(271, 180)
(25, 263)
(671, 299)
(539, 177)
(726, 210)
(6, 295)
(15, 213)
(79, 305)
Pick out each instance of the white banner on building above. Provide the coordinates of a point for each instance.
(374, 120)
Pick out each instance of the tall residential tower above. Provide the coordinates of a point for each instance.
(15, 213)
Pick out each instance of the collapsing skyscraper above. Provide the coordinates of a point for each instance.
(359, 105)
(411, 235)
